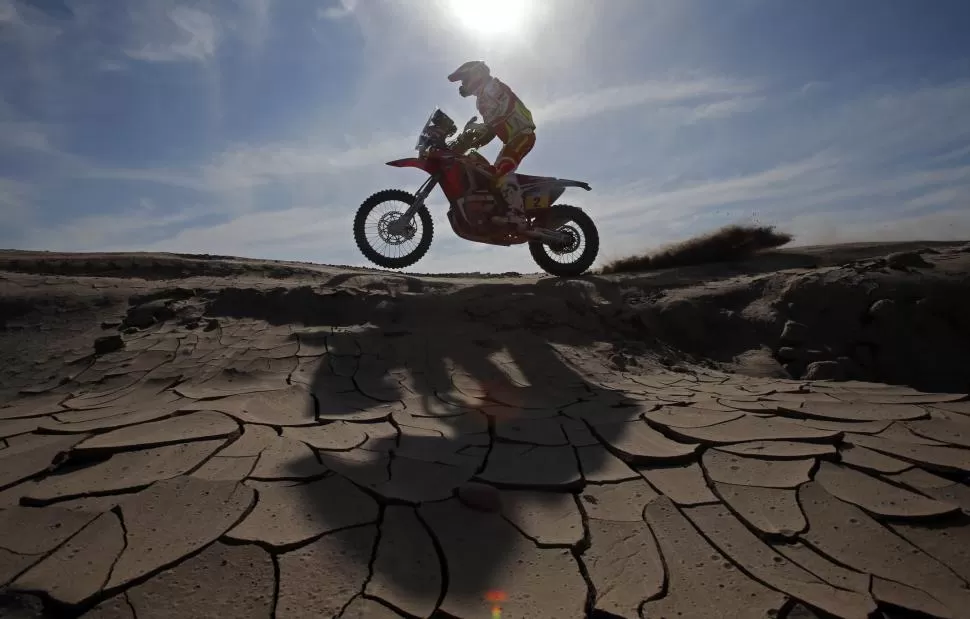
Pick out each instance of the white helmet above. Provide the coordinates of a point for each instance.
(473, 74)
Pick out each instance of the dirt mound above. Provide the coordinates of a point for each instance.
(726, 244)
(346, 444)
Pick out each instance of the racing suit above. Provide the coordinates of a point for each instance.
(505, 115)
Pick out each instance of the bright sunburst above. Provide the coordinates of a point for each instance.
(491, 17)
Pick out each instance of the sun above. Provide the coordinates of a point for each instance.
(491, 17)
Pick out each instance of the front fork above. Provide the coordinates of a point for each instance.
(400, 225)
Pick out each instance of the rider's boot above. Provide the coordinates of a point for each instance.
(508, 186)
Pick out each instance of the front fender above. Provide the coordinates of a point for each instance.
(412, 162)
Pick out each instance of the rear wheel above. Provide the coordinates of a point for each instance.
(387, 249)
(574, 257)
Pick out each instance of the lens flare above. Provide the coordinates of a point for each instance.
(494, 597)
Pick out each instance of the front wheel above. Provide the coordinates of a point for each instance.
(386, 248)
(572, 258)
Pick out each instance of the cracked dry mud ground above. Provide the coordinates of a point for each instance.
(336, 443)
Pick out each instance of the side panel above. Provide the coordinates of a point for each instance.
(461, 177)
(453, 181)
(541, 196)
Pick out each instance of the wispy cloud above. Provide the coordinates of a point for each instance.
(162, 176)
(291, 231)
(252, 22)
(248, 166)
(592, 103)
(24, 135)
(341, 9)
(8, 12)
(244, 166)
(134, 228)
(191, 35)
(649, 202)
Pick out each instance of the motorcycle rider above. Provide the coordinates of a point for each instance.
(504, 115)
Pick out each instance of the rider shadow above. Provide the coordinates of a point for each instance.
(478, 390)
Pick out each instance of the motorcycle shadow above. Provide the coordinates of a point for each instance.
(478, 435)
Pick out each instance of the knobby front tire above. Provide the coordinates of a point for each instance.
(367, 248)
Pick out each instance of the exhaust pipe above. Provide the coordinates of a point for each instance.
(547, 236)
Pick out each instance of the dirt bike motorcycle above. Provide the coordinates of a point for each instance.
(562, 239)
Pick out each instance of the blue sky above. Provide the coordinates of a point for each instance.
(256, 127)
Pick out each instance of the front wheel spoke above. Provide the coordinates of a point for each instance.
(390, 245)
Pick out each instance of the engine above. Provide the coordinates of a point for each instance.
(476, 209)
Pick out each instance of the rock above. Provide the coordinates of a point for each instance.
(108, 343)
(883, 308)
(907, 259)
(794, 332)
(147, 314)
(480, 496)
(111, 323)
(27, 455)
(824, 370)
(211, 325)
(850, 368)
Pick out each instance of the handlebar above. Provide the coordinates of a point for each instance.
(469, 135)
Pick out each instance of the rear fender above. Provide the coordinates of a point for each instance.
(565, 182)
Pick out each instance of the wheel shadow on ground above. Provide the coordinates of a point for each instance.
(487, 385)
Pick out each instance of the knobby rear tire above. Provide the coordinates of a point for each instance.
(562, 214)
(387, 262)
